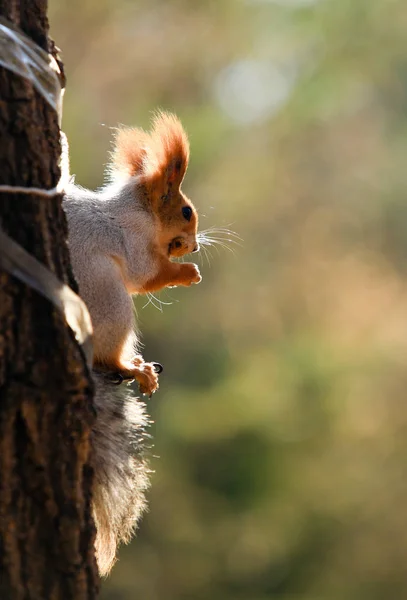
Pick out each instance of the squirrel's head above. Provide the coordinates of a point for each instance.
(157, 161)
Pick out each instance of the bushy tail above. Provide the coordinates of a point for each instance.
(121, 469)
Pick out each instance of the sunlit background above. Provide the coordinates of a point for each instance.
(280, 429)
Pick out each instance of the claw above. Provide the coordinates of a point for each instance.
(158, 368)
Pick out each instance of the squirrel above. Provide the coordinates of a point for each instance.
(123, 237)
(122, 240)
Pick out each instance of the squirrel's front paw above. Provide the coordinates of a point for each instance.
(190, 274)
(147, 378)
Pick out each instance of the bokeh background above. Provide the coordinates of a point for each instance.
(280, 430)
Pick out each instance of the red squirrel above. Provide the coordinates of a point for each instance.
(122, 239)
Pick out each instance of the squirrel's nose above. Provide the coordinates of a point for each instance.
(196, 248)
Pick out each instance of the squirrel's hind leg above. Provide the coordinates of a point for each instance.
(115, 339)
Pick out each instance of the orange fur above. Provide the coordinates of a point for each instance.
(171, 274)
(165, 150)
(130, 151)
(159, 159)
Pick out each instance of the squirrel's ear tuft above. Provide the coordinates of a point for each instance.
(130, 148)
(161, 155)
(169, 149)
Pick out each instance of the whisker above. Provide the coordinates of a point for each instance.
(212, 241)
(148, 301)
(156, 302)
(215, 248)
(218, 237)
(207, 255)
(222, 245)
(152, 300)
(222, 230)
(168, 295)
(163, 303)
(220, 234)
(222, 239)
(226, 232)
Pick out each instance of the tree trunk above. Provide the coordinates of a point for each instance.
(46, 525)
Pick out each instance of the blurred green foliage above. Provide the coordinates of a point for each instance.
(281, 420)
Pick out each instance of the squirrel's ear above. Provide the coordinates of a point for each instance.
(160, 157)
(129, 155)
(169, 150)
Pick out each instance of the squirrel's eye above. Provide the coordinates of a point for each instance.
(187, 212)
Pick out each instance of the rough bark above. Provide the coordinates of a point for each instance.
(46, 526)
